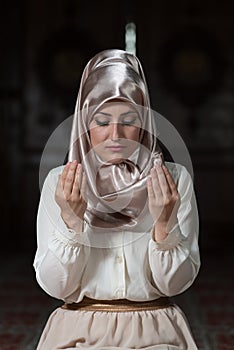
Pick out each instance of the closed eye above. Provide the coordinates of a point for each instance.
(102, 123)
(123, 122)
(129, 118)
(129, 122)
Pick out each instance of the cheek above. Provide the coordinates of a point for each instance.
(96, 136)
(134, 135)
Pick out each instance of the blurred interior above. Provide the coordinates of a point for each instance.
(187, 52)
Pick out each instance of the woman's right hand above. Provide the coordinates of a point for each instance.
(70, 195)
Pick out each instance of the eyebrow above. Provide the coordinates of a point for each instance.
(122, 114)
(106, 114)
(130, 112)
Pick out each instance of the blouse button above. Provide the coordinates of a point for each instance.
(119, 293)
(118, 259)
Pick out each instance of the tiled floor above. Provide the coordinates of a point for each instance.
(208, 304)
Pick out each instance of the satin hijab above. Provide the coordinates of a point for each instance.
(116, 193)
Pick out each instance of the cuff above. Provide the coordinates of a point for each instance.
(70, 237)
(171, 241)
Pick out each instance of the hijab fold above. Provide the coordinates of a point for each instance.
(116, 193)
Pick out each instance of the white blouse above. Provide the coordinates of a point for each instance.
(123, 264)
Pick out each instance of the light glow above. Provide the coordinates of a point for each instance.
(130, 38)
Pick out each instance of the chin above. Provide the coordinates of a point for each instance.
(113, 158)
(116, 160)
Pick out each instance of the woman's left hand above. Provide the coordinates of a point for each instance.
(164, 201)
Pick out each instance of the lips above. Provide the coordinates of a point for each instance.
(116, 148)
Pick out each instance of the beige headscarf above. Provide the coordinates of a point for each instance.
(117, 193)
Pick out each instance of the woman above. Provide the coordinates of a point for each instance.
(117, 226)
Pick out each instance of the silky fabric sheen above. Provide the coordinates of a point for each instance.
(116, 193)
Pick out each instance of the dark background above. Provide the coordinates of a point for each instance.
(187, 52)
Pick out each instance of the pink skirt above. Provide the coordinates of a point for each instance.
(159, 329)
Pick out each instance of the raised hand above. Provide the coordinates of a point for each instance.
(70, 195)
(164, 201)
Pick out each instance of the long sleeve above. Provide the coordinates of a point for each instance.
(61, 253)
(72, 265)
(175, 261)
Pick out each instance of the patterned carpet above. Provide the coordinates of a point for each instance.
(208, 304)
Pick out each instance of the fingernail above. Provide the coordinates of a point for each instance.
(157, 162)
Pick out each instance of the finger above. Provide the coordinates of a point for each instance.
(165, 188)
(83, 186)
(155, 183)
(59, 194)
(69, 180)
(80, 175)
(64, 173)
(77, 181)
(170, 180)
(151, 194)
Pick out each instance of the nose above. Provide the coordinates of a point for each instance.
(116, 132)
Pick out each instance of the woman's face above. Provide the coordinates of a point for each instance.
(114, 131)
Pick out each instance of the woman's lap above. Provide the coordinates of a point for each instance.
(161, 329)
